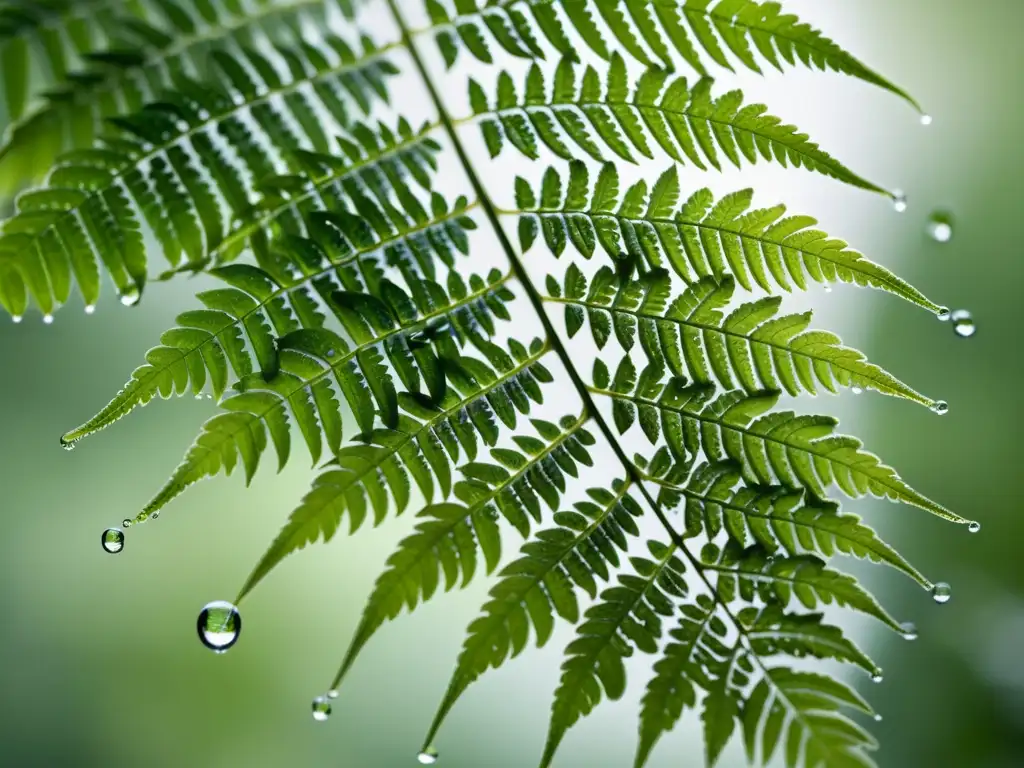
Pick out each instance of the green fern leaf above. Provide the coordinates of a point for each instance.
(157, 166)
(775, 448)
(308, 358)
(452, 536)
(775, 518)
(752, 347)
(806, 707)
(143, 56)
(698, 639)
(626, 616)
(687, 124)
(258, 305)
(541, 585)
(702, 239)
(424, 445)
(755, 574)
(697, 31)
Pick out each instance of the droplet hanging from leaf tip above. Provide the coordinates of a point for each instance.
(878, 718)
(943, 314)
(963, 324)
(857, 390)
(219, 625)
(877, 676)
(332, 694)
(126, 523)
(927, 120)
(321, 708)
(15, 319)
(428, 756)
(112, 540)
(942, 592)
(941, 407)
(974, 526)
(67, 445)
(899, 200)
(131, 297)
(909, 630)
(90, 309)
(48, 319)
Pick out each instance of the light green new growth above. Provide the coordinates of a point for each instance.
(270, 145)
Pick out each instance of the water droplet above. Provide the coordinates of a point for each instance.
(126, 523)
(943, 314)
(67, 445)
(877, 677)
(332, 694)
(330, 353)
(974, 526)
(899, 200)
(90, 309)
(428, 756)
(909, 630)
(857, 390)
(48, 319)
(963, 324)
(940, 407)
(131, 297)
(219, 625)
(15, 319)
(878, 718)
(940, 226)
(942, 592)
(926, 119)
(321, 708)
(112, 540)
(155, 515)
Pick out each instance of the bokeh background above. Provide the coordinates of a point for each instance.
(99, 664)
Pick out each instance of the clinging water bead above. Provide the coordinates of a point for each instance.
(321, 708)
(909, 630)
(942, 592)
(112, 540)
(974, 526)
(963, 324)
(428, 756)
(899, 200)
(219, 625)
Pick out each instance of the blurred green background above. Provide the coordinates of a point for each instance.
(99, 664)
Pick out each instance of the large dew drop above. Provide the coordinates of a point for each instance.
(131, 297)
(112, 540)
(942, 592)
(940, 407)
(428, 756)
(321, 708)
(219, 625)
(909, 630)
(963, 324)
(940, 226)
(974, 526)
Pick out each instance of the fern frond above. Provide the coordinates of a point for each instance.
(754, 574)
(752, 347)
(452, 536)
(770, 447)
(540, 587)
(689, 125)
(144, 56)
(774, 518)
(698, 240)
(697, 643)
(424, 446)
(653, 32)
(258, 301)
(625, 617)
(166, 166)
(307, 360)
(805, 709)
